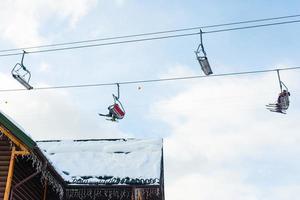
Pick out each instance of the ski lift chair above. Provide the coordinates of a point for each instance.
(202, 58)
(21, 74)
(116, 111)
(283, 100)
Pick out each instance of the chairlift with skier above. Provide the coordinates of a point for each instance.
(283, 100)
(116, 111)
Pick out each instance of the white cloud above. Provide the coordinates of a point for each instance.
(224, 185)
(219, 126)
(53, 114)
(21, 21)
(44, 67)
(290, 192)
(120, 2)
(178, 70)
(73, 9)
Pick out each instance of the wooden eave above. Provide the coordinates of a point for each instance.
(15, 134)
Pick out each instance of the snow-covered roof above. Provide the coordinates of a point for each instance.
(106, 162)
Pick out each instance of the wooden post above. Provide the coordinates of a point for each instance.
(137, 194)
(140, 194)
(10, 174)
(45, 190)
(133, 194)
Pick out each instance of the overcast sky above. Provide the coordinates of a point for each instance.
(219, 140)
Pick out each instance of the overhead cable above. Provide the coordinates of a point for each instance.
(253, 26)
(145, 39)
(153, 33)
(151, 80)
(101, 44)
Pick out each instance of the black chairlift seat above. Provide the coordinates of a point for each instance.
(203, 61)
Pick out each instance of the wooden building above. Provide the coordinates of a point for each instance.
(25, 173)
(97, 169)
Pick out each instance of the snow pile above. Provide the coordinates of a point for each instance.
(121, 161)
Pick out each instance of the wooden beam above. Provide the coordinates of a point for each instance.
(21, 153)
(10, 174)
(15, 140)
(45, 190)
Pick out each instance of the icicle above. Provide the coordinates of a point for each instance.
(36, 163)
(46, 175)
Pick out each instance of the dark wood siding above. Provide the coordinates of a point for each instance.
(5, 153)
(113, 193)
(98, 193)
(153, 193)
(33, 188)
(51, 194)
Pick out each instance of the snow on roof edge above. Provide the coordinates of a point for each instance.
(151, 165)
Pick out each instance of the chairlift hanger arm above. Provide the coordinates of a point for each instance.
(116, 98)
(280, 82)
(118, 85)
(201, 46)
(284, 86)
(20, 64)
(24, 52)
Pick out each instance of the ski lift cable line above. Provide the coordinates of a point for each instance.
(150, 38)
(151, 80)
(253, 26)
(101, 44)
(153, 33)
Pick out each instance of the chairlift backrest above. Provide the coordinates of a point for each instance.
(118, 112)
(205, 66)
(21, 71)
(22, 75)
